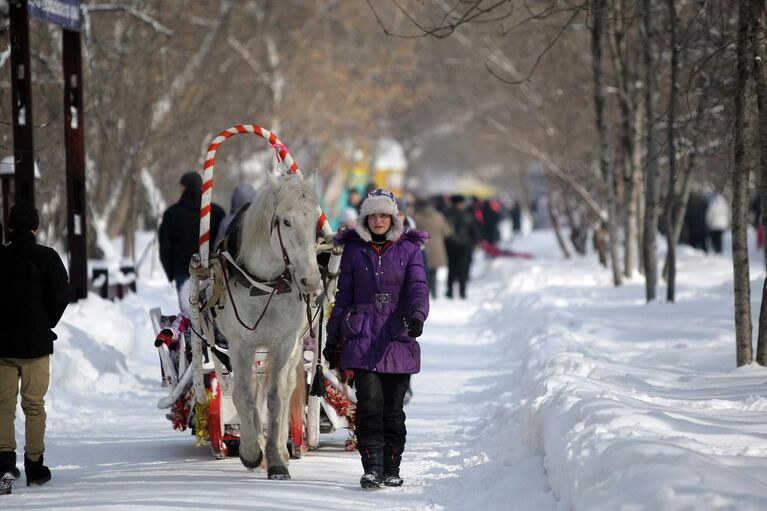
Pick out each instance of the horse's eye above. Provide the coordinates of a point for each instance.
(286, 222)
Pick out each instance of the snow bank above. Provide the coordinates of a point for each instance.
(637, 406)
(104, 354)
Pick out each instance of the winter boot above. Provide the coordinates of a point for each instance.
(8, 464)
(8, 472)
(37, 473)
(372, 463)
(392, 459)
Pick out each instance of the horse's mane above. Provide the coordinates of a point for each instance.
(295, 193)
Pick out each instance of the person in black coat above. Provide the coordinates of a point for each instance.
(35, 292)
(180, 229)
(460, 245)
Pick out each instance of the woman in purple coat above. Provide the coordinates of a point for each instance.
(381, 303)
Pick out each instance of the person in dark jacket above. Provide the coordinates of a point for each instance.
(35, 292)
(381, 304)
(243, 194)
(460, 245)
(180, 230)
(491, 213)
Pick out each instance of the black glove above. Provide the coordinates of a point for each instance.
(414, 327)
(331, 355)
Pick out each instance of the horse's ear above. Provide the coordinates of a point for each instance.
(273, 181)
(312, 179)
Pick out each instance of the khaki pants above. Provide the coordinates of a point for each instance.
(34, 374)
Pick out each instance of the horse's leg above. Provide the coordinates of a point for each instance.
(245, 395)
(282, 381)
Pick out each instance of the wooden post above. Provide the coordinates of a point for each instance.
(21, 92)
(6, 184)
(74, 141)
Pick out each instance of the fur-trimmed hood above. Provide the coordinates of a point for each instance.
(379, 201)
(348, 235)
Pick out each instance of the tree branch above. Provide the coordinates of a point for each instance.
(142, 16)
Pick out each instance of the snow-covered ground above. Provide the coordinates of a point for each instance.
(548, 389)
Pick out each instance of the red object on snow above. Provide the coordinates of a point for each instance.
(494, 251)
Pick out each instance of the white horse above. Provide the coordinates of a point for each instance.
(277, 234)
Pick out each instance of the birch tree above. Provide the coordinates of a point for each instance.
(651, 159)
(758, 56)
(743, 327)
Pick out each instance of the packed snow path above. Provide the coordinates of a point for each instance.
(547, 390)
(109, 447)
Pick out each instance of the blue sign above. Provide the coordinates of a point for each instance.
(65, 13)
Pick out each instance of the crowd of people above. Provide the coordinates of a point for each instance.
(456, 224)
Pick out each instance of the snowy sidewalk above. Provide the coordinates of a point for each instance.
(109, 447)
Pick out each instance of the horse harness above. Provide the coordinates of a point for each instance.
(224, 269)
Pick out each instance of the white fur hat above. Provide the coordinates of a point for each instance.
(379, 201)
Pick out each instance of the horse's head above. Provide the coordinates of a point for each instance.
(295, 213)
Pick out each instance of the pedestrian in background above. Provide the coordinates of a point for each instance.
(433, 222)
(717, 220)
(460, 245)
(180, 230)
(243, 194)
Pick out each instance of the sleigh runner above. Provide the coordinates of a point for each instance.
(257, 309)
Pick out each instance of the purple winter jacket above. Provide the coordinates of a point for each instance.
(375, 295)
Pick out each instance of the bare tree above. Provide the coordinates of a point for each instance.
(651, 158)
(621, 51)
(759, 53)
(672, 161)
(599, 11)
(740, 176)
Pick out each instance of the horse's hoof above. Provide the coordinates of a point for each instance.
(252, 465)
(278, 473)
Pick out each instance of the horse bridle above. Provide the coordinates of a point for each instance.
(286, 276)
(285, 257)
(289, 271)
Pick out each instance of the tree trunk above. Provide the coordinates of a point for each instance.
(684, 193)
(129, 230)
(759, 53)
(639, 191)
(671, 200)
(628, 168)
(629, 227)
(651, 166)
(599, 10)
(555, 225)
(744, 350)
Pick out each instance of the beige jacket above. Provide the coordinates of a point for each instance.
(432, 221)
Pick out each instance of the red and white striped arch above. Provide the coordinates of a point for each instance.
(207, 179)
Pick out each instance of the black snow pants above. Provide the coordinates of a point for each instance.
(380, 421)
(458, 266)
